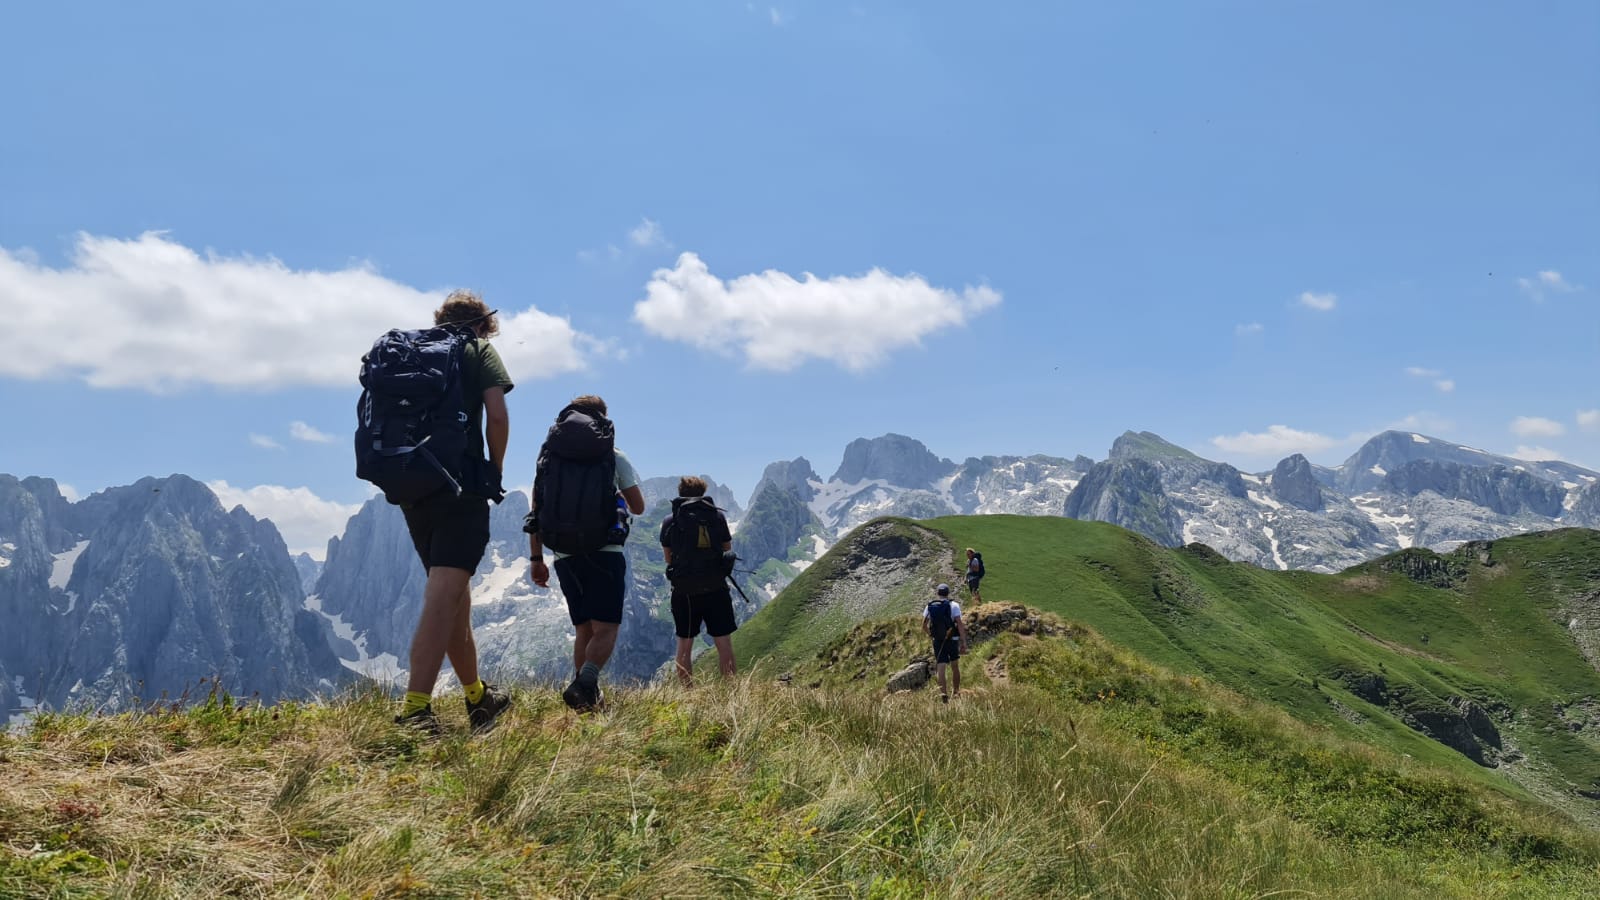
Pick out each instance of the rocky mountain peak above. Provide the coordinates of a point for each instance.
(794, 476)
(1294, 483)
(1148, 445)
(894, 458)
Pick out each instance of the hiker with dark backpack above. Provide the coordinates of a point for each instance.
(698, 546)
(583, 490)
(975, 573)
(941, 621)
(419, 439)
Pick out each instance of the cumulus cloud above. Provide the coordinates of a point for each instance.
(1248, 329)
(778, 321)
(300, 431)
(1589, 419)
(70, 493)
(1536, 454)
(1319, 302)
(264, 442)
(153, 314)
(1277, 440)
(1536, 427)
(1548, 281)
(305, 520)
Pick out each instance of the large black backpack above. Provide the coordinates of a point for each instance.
(574, 486)
(411, 421)
(697, 566)
(978, 558)
(941, 621)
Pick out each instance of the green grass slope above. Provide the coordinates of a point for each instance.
(751, 788)
(1464, 660)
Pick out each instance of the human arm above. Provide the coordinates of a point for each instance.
(497, 425)
(635, 498)
(540, 573)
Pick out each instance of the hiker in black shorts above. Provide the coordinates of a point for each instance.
(583, 490)
(975, 574)
(450, 532)
(941, 621)
(694, 539)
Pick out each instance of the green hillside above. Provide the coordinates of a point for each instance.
(1463, 661)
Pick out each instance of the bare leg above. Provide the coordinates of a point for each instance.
(442, 606)
(943, 689)
(685, 657)
(602, 640)
(725, 661)
(463, 649)
(955, 675)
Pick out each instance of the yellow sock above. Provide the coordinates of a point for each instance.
(475, 691)
(415, 700)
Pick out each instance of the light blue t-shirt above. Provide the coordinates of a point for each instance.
(627, 477)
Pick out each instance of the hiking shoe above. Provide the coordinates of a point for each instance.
(582, 697)
(423, 721)
(944, 698)
(483, 713)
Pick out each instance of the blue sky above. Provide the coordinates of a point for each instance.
(1254, 228)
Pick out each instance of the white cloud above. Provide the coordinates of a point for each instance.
(648, 234)
(1589, 419)
(153, 314)
(1536, 454)
(305, 520)
(1319, 302)
(1547, 281)
(776, 16)
(264, 442)
(1248, 329)
(1277, 440)
(70, 493)
(1420, 372)
(778, 321)
(1445, 385)
(1536, 427)
(300, 431)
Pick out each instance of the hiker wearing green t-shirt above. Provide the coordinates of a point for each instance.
(450, 531)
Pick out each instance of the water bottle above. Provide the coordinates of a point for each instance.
(618, 533)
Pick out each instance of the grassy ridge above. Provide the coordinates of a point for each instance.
(750, 788)
(1303, 641)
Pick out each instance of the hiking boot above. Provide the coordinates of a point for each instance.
(582, 696)
(944, 698)
(483, 713)
(423, 721)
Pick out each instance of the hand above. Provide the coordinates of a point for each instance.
(540, 573)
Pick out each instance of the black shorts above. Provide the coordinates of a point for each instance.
(714, 610)
(594, 584)
(449, 531)
(947, 651)
(972, 582)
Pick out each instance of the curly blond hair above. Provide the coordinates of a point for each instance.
(467, 308)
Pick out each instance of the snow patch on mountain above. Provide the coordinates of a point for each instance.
(1371, 505)
(61, 567)
(1419, 439)
(383, 668)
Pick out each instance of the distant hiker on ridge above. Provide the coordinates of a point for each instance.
(941, 621)
(583, 490)
(975, 573)
(694, 540)
(419, 438)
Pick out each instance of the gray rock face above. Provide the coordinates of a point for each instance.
(1496, 488)
(1126, 492)
(372, 578)
(1032, 485)
(308, 569)
(795, 476)
(147, 590)
(910, 678)
(893, 458)
(1294, 483)
(1586, 506)
(775, 521)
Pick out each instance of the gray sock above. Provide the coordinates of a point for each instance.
(589, 674)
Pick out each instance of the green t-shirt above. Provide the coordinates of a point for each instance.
(481, 369)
